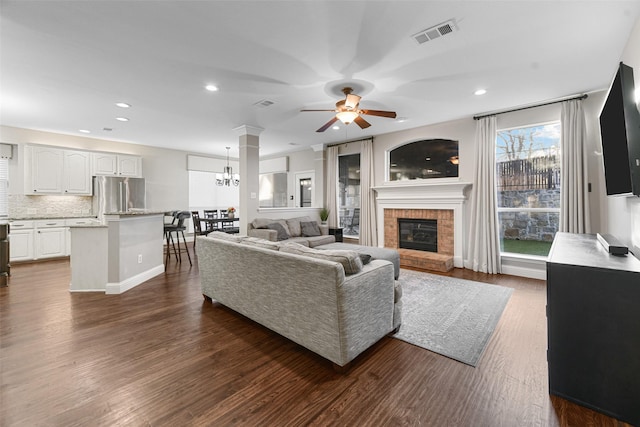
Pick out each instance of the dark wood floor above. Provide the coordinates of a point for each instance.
(159, 355)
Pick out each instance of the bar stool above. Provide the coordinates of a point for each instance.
(178, 228)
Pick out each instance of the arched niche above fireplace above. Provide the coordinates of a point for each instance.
(424, 159)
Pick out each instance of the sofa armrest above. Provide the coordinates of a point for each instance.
(263, 233)
(366, 307)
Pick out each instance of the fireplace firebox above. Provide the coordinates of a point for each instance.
(418, 234)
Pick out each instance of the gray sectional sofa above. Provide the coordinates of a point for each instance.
(303, 294)
(293, 230)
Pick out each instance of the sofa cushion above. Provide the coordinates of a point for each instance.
(310, 229)
(301, 240)
(349, 259)
(261, 243)
(282, 233)
(220, 235)
(320, 240)
(294, 225)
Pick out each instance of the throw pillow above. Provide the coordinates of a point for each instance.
(349, 259)
(282, 233)
(310, 229)
(294, 225)
(365, 258)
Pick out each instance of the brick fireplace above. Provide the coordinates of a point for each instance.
(440, 199)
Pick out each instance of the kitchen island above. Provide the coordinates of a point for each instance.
(118, 255)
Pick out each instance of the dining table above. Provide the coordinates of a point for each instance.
(218, 224)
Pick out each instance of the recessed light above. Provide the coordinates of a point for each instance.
(122, 119)
(401, 119)
(84, 131)
(211, 88)
(336, 128)
(123, 105)
(480, 92)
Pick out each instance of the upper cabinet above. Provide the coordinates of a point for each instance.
(43, 170)
(116, 164)
(51, 170)
(57, 171)
(76, 173)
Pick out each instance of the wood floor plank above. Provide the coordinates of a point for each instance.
(159, 355)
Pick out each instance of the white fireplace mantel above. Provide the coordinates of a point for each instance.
(442, 193)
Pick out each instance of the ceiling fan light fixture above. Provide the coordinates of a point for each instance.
(346, 117)
(352, 101)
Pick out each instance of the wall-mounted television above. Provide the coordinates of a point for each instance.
(620, 132)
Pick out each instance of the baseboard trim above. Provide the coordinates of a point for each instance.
(132, 282)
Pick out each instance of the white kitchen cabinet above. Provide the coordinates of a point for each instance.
(56, 171)
(44, 170)
(116, 164)
(21, 240)
(50, 239)
(130, 166)
(77, 173)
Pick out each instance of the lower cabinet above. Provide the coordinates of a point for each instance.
(21, 245)
(41, 239)
(50, 242)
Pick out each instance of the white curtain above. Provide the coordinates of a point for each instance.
(574, 209)
(331, 183)
(484, 244)
(368, 229)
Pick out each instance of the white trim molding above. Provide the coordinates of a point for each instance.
(443, 193)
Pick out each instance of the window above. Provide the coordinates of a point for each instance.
(273, 190)
(349, 194)
(528, 188)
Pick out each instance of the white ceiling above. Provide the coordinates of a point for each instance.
(66, 63)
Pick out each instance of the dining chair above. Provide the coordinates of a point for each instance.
(197, 227)
(211, 214)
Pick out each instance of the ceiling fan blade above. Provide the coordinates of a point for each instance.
(326, 125)
(389, 114)
(317, 110)
(361, 122)
(352, 101)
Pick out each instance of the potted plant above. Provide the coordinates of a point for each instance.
(231, 212)
(324, 215)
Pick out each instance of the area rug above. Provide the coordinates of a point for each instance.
(450, 316)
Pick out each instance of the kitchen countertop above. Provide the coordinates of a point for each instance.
(134, 213)
(38, 217)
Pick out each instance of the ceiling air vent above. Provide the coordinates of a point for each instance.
(435, 32)
(263, 103)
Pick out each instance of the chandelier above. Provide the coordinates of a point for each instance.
(227, 177)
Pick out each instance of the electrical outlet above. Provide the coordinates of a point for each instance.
(139, 258)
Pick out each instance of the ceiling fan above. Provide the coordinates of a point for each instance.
(347, 111)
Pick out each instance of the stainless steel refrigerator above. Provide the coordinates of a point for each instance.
(113, 194)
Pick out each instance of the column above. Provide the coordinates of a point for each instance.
(249, 144)
(319, 167)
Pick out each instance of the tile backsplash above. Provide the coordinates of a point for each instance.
(21, 206)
